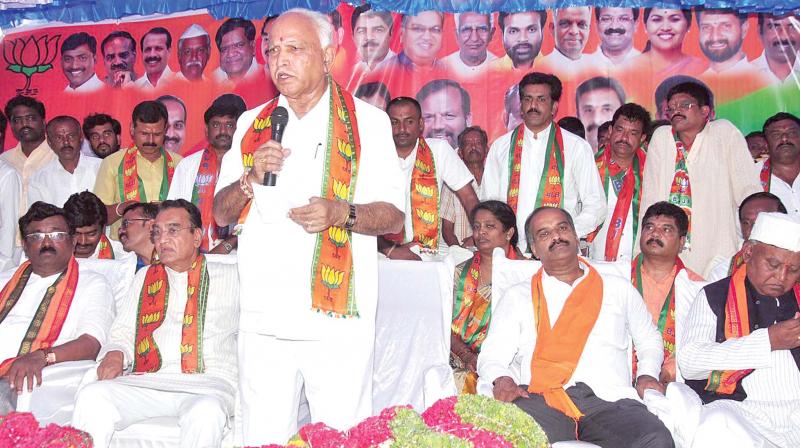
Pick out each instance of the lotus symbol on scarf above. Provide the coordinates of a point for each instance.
(422, 166)
(514, 192)
(338, 237)
(331, 278)
(188, 319)
(426, 192)
(340, 112)
(30, 55)
(186, 349)
(341, 190)
(261, 123)
(144, 347)
(428, 242)
(247, 160)
(154, 287)
(346, 151)
(150, 318)
(426, 217)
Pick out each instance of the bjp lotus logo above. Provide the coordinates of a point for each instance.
(426, 192)
(150, 318)
(331, 278)
(187, 320)
(153, 288)
(346, 151)
(143, 347)
(513, 192)
(427, 242)
(341, 113)
(517, 167)
(30, 55)
(341, 190)
(423, 167)
(258, 127)
(338, 237)
(186, 349)
(247, 160)
(426, 217)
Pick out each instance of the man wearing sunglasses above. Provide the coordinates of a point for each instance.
(172, 348)
(35, 331)
(703, 166)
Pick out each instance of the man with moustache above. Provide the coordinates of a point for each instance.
(72, 172)
(741, 348)
(194, 49)
(522, 40)
(749, 209)
(596, 100)
(156, 46)
(570, 28)
(615, 27)
(372, 32)
(236, 42)
(780, 38)
(538, 163)
(141, 173)
(78, 59)
(196, 176)
(686, 167)
(421, 37)
(780, 173)
(87, 213)
(53, 312)
(103, 132)
(621, 166)
(445, 110)
(512, 116)
(473, 146)
(474, 31)
(417, 157)
(175, 136)
(574, 377)
(722, 33)
(758, 146)
(134, 232)
(27, 117)
(326, 233)
(119, 57)
(603, 132)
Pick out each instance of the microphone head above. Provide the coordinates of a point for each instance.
(279, 116)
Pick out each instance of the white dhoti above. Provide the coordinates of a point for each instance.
(337, 376)
(749, 424)
(54, 400)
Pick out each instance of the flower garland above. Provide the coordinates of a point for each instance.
(21, 430)
(467, 421)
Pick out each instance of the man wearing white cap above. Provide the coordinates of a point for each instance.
(741, 348)
(194, 49)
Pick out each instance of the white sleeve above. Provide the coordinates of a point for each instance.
(452, 169)
(700, 353)
(502, 341)
(123, 329)
(9, 213)
(231, 168)
(98, 311)
(590, 189)
(182, 181)
(492, 183)
(37, 191)
(645, 335)
(381, 180)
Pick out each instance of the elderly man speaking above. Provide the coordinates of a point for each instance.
(307, 247)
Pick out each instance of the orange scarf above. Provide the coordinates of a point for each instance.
(736, 262)
(153, 310)
(131, 187)
(551, 183)
(766, 175)
(104, 249)
(332, 271)
(203, 195)
(559, 348)
(425, 199)
(51, 313)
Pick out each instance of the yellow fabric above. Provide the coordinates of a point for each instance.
(106, 186)
(26, 166)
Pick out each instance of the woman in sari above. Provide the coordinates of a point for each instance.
(663, 55)
(493, 225)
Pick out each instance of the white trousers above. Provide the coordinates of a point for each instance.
(105, 406)
(336, 373)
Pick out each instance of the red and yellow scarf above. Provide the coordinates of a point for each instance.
(425, 199)
(471, 311)
(766, 175)
(131, 187)
(332, 270)
(51, 313)
(153, 310)
(629, 194)
(736, 262)
(203, 195)
(551, 192)
(559, 348)
(680, 192)
(104, 249)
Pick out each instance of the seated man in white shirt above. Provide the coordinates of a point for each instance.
(52, 311)
(568, 367)
(172, 350)
(88, 215)
(427, 163)
(71, 172)
(11, 186)
(741, 348)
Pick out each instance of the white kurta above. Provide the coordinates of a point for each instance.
(144, 81)
(599, 58)
(54, 185)
(450, 170)
(788, 194)
(583, 195)
(219, 75)
(456, 66)
(11, 186)
(597, 250)
(722, 175)
(183, 180)
(772, 405)
(604, 364)
(92, 84)
(760, 63)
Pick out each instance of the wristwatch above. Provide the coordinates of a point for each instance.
(228, 246)
(49, 357)
(351, 218)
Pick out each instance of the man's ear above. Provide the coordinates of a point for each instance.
(747, 250)
(329, 54)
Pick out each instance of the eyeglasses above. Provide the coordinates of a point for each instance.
(37, 237)
(171, 231)
(683, 107)
(467, 31)
(126, 222)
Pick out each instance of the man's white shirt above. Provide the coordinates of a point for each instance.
(183, 180)
(456, 65)
(788, 194)
(583, 195)
(54, 185)
(361, 64)
(742, 66)
(760, 63)
(91, 311)
(221, 76)
(276, 294)
(597, 250)
(92, 84)
(11, 186)
(450, 170)
(144, 81)
(600, 58)
(604, 364)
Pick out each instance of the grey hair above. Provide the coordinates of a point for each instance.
(457, 19)
(320, 22)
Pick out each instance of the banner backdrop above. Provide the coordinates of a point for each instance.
(461, 69)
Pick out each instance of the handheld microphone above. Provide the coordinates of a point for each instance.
(278, 119)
